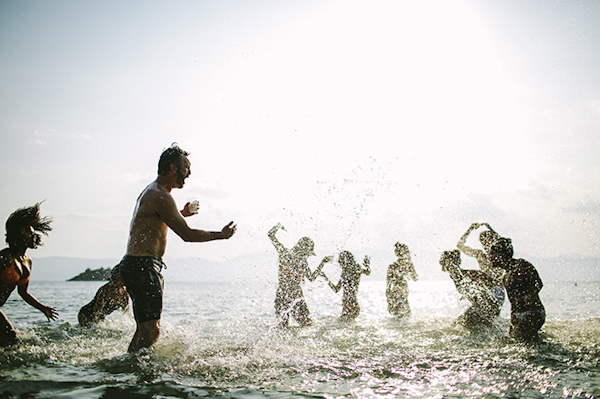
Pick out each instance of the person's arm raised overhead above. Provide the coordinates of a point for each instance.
(461, 245)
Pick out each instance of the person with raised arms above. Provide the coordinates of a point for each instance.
(487, 238)
(293, 269)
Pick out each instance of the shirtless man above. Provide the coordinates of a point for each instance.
(523, 284)
(155, 212)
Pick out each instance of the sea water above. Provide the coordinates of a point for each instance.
(221, 340)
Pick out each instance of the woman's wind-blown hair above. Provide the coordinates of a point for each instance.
(24, 217)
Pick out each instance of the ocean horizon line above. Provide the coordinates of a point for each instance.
(262, 265)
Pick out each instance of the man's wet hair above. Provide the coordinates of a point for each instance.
(488, 237)
(503, 245)
(173, 155)
(22, 218)
(452, 257)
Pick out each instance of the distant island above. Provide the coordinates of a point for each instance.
(101, 274)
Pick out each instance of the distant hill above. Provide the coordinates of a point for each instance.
(185, 269)
(62, 268)
(263, 267)
(101, 274)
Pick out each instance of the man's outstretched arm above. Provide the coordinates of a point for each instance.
(167, 210)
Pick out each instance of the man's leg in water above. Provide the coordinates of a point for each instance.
(146, 334)
(144, 283)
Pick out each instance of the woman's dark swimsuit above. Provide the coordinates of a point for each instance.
(144, 283)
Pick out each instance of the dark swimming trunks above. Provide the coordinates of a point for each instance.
(144, 283)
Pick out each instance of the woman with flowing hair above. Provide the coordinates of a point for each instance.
(23, 231)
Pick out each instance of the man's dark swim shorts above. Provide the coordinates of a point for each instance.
(144, 283)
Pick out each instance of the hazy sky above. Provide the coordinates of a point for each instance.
(357, 123)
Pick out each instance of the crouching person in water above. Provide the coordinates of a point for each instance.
(478, 288)
(523, 284)
(349, 281)
(293, 269)
(110, 297)
(23, 229)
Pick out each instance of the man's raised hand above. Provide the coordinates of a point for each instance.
(228, 230)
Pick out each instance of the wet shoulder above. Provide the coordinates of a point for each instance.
(523, 266)
(6, 258)
(152, 198)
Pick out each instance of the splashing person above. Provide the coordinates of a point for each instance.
(23, 228)
(523, 284)
(478, 288)
(293, 269)
(110, 297)
(396, 290)
(349, 281)
(487, 238)
(156, 212)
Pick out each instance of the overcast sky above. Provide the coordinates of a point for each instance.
(356, 123)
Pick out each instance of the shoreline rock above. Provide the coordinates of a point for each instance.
(101, 274)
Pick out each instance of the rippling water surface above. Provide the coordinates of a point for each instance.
(221, 340)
